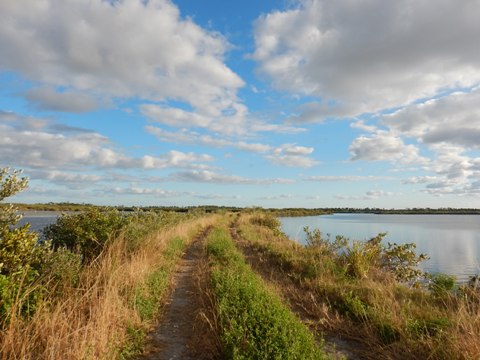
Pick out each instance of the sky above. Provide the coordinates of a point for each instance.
(287, 103)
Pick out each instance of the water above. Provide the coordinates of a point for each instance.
(38, 220)
(451, 241)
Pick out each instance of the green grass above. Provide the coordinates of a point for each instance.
(255, 323)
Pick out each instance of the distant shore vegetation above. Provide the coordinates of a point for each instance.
(280, 212)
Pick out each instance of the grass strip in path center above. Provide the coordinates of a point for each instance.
(254, 322)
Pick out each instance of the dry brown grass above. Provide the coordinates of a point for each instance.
(91, 321)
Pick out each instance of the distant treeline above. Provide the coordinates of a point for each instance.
(282, 212)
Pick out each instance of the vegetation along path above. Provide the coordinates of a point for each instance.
(177, 334)
(334, 345)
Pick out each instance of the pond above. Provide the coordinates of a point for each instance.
(451, 241)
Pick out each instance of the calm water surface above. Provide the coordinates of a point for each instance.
(38, 220)
(451, 241)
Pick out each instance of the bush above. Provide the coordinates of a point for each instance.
(268, 221)
(441, 284)
(88, 232)
(402, 261)
(21, 255)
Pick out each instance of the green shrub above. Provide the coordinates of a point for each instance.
(63, 267)
(88, 232)
(402, 261)
(21, 255)
(268, 221)
(441, 284)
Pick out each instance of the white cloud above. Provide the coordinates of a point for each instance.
(347, 178)
(213, 177)
(68, 101)
(384, 146)
(72, 180)
(37, 148)
(369, 195)
(173, 116)
(234, 120)
(276, 197)
(142, 191)
(369, 55)
(452, 119)
(419, 180)
(189, 137)
(292, 155)
(129, 48)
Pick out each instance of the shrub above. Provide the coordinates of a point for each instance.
(402, 261)
(441, 284)
(268, 221)
(88, 232)
(323, 245)
(21, 255)
(359, 257)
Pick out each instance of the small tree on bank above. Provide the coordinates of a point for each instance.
(21, 255)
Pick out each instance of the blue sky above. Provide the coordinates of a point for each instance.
(308, 103)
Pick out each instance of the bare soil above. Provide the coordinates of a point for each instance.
(181, 333)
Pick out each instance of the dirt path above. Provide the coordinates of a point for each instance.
(335, 346)
(176, 337)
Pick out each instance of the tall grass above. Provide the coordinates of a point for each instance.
(355, 293)
(112, 304)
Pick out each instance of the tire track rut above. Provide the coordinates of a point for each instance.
(176, 336)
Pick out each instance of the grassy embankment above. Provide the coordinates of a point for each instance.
(356, 290)
(99, 307)
(253, 322)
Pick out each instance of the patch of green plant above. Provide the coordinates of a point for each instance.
(353, 306)
(441, 284)
(134, 344)
(147, 297)
(149, 294)
(255, 324)
(143, 223)
(22, 257)
(268, 221)
(87, 232)
(387, 332)
(402, 261)
(431, 326)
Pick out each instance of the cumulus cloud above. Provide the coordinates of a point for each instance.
(347, 178)
(143, 191)
(385, 146)
(235, 120)
(130, 48)
(37, 148)
(276, 197)
(292, 155)
(190, 137)
(364, 56)
(452, 119)
(207, 176)
(72, 180)
(369, 195)
(69, 101)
